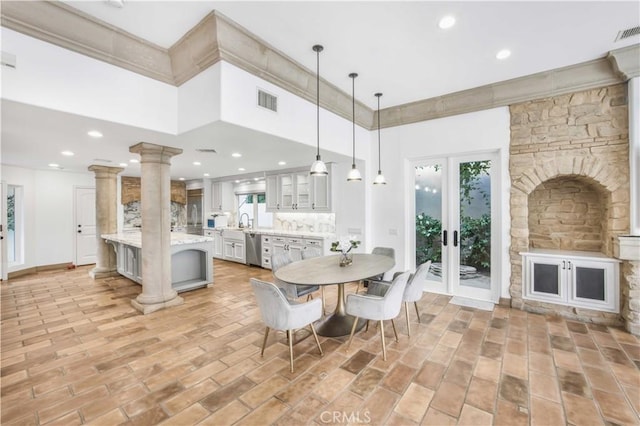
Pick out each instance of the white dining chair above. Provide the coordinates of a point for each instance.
(378, 308)
(279, 314)
(292, 291)
(382, 251)
(412, 292)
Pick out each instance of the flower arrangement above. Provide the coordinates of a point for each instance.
(344, 246)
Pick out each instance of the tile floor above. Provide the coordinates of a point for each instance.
(75, 352)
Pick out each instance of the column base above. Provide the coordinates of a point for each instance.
(152, 307)
(97, 272)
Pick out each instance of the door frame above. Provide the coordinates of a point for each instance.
(448, 287)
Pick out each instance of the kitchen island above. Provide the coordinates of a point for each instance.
(191, 265)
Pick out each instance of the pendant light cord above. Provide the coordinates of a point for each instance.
(353, 107)
(318, 100)
(379, 163)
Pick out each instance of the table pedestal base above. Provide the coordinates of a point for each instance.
(338, 325)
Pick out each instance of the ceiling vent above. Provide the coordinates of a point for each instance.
(267, 100)
(207, 150)
(629, 32)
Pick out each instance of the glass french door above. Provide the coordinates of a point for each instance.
(454, 226)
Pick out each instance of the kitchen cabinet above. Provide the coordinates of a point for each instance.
(216, 234)
(222, 196)
(581, 279)
(298, 191)
(233, 246)
(294, 246)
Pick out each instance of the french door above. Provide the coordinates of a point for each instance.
(454, 224)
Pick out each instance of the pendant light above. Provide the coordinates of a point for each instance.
(318, 168)
(379, 180)
(354, 173)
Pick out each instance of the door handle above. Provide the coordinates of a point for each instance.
(79, 231)
(313, 206)
(444, 237)
(455, 238)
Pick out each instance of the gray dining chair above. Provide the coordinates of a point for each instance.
(383, 251)
(279, 314)
(309, 253)
(292, 291)
(412, 292)
(378, 308)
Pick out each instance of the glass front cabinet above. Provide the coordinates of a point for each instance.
(574, 278)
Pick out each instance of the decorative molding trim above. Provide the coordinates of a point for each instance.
(64, 26)
(626, 61)
(217, 38)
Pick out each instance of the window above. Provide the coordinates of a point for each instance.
(15, 226)
(254, 206)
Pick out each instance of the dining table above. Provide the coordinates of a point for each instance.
(326, 270)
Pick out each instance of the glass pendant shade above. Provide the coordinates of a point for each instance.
(318, 168)
(354, 174)
(379, 180)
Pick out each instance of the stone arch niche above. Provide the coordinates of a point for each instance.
(569, 166)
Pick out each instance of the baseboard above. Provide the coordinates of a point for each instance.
(504, 302)
(36, 269)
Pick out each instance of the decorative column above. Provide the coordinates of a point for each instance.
(156, 228)
(106, 219)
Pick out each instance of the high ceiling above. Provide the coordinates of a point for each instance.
(396, 48)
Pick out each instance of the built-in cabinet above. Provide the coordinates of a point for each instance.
(295, 246)
(298, 191)
(222, 196)
(216, 234)
(582, 279)
(233, 246)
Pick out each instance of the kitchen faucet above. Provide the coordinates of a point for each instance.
(241, 225)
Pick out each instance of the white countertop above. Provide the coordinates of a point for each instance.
(134, 238)
(300, 234)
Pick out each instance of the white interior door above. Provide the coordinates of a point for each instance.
(85, 228)
(455, 225)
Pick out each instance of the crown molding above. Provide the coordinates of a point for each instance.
(64, 26)
(217, 38)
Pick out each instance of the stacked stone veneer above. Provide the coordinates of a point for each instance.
(569, 166)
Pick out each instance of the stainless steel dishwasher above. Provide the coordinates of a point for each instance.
(253, 246)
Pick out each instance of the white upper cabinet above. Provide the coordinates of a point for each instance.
(221, 196)
(298, 191)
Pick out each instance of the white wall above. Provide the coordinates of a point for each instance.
(199, 99)
(467, 133)
(52, 77)
(49, 213)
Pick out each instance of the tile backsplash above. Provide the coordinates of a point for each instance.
(133, 215)
(305, 222)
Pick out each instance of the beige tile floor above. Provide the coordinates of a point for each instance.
(74, 351)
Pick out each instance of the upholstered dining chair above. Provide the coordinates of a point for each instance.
(378, 308)
(383, 251)
(279, 314)
(292, 291)
(412, 292)
(308, 253)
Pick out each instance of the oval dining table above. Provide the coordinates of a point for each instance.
(326, 270)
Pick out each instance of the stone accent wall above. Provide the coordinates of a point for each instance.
(130, 190)
(566, 213)
(578, 140)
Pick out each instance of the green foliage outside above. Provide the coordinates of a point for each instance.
(475, 233)
(11, 212)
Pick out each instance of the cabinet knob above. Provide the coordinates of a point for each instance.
(313, 206)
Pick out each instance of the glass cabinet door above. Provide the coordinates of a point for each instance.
(286, 191)
(303, 191)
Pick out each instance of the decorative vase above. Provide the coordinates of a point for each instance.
(346, 259)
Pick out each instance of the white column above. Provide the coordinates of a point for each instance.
(634, 153)
(106, 219)
(156, 228)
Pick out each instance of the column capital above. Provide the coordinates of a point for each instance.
(152, 153)
(104, 170)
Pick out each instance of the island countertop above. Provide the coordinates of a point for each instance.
(134, 238)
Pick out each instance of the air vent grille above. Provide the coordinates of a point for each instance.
(629, 32)
(268, 101)
(207, 150)
(101, 160)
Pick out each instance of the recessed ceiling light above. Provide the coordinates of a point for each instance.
(206, 175)
(196, 163)
(54, 165)
(282, 163)
(180, 178)
(236, 155)
(503, 54)
(123, 164)
(241, 169)
(94, 134)
(237, 181)
(67, 153)
(256, 179)
(447, 22)
(133, 160)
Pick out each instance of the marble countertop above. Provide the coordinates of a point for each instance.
(299, 234)
(134, 238)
